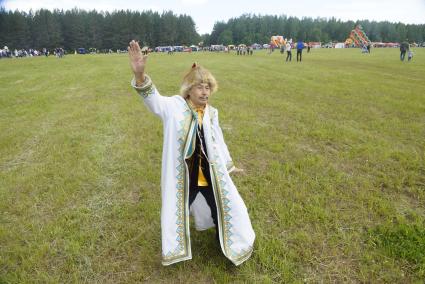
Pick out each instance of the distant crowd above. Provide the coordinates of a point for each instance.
(244, 50)
(5, 52)
(241, 49)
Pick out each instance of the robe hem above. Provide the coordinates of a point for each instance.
(244, 258)
(170, 262)
(231, 169)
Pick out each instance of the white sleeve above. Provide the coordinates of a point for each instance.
(156, 103)
(222, 145)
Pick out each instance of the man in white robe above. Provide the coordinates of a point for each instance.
(195, 159)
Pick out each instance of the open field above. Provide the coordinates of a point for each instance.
(333, 150)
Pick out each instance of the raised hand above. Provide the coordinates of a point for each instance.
(137, 61)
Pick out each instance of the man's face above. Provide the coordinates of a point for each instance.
(199, 94)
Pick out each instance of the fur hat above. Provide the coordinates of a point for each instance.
(195, 76)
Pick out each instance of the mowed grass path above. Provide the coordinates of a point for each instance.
(333, 152)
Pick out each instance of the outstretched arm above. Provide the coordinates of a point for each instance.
(142, 83)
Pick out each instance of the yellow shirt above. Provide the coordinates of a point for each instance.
(202, 181)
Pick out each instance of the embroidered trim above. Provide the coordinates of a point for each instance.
(230, 166)
(146, 88)
(225, 216)
(224, 206)
(181, 252)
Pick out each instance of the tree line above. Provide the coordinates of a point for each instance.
(249, 29)
(77, 28)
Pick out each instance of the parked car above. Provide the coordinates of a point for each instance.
(194, 48)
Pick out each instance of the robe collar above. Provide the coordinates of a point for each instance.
(198, 112)
(194, 108)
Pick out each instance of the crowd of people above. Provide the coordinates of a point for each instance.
(59, 52)
(5, 52)
(244, 50)
(289, 45)
(287, 48)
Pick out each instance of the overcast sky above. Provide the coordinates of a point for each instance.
(206, 12)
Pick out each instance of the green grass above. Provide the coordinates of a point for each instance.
(402, 241)
(333, 151)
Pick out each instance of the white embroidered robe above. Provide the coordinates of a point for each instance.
(235, 230)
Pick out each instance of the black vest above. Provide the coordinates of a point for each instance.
(193, 161)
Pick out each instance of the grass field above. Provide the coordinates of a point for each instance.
(333, 150)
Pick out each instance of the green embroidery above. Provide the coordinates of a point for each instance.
(224, 215)
(181, 250)
(146, 89)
